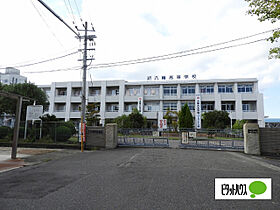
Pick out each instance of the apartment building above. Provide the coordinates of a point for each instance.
(240, 97)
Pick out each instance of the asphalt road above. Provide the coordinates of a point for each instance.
(135, 178)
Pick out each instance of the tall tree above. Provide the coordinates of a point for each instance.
(136, 119)
(92, 114)
(30, 90)
(171, 117)
(185, 117)
(216, 119)
(267, 10)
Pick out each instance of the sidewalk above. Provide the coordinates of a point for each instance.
(7, 164)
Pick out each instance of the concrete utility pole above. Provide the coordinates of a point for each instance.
(86, 37)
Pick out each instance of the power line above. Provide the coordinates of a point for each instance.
(172, 57)
(74, 20)
(44, 20)
(185, 51)
(153, 60)
(78, 11)
(43, 61)
(54, 70)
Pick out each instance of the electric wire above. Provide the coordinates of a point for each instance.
(43, 61)
(172, 57)
(74, 19)
(157, 59)
(44, 20)
(78, 11)
(185, 51)
(54, 70)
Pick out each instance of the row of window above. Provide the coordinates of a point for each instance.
(247, 106)
(154, 91)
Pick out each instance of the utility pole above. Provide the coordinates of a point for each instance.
(86, 37)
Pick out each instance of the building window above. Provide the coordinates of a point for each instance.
(112, 107)
(151, 91)
(113, 91)
(128, 107)
(59, 107)
(170, 91)
(76, 92)
(172, 106)
(151, 107)
(94, 91)
(228, 106)
(249, 106)
(188, 90)
(225, 88)
(134, 91)
(75, 107)
(207, 106)
(190, 105)
(206, 89)
(61, 91)
(245, 88)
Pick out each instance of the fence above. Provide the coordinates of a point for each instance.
(48, 132)
(270, 141)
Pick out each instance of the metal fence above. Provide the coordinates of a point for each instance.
(45, 132)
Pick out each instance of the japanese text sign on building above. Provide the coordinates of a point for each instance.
(171, 77)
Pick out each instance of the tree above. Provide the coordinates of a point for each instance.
(171, 117)
(238, 124)
(92, 114)
(123, 121)
(136, 119)
(185, 117)
(30, 90)
(216, 119)
(267, 10)
(49, 118)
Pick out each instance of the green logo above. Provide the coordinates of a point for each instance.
(257, 187)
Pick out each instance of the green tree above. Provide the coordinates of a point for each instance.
(267, 10)
(123, 121)
(136, 119)
(238, 124)
(49, 118)
(185, 117)
(30, 90)
(171, 117)
(216, 119)
(92, 114)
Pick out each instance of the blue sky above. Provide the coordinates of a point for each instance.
(134, 29)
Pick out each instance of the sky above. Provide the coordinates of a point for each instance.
(132, 29)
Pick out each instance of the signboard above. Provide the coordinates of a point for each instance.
(198, 111)
(80, 132)
(172, 77)
(162, 123)
(140, 105)
(184, 138)
(192, 134)
(34, 112)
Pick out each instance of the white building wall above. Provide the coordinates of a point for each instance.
(121, 99)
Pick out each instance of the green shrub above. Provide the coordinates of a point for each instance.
(71, 126)
(4, 131)
(62, 133)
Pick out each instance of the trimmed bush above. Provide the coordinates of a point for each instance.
(4, 131)
(63, 133)
(71, 126)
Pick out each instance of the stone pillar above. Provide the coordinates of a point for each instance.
(111, 135)
(251, 139)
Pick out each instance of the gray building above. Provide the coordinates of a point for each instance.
(12, 76)
(240, 97)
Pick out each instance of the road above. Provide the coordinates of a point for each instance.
(135, 178)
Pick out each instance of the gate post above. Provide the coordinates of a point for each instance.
(111, 136)
(251, 139)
